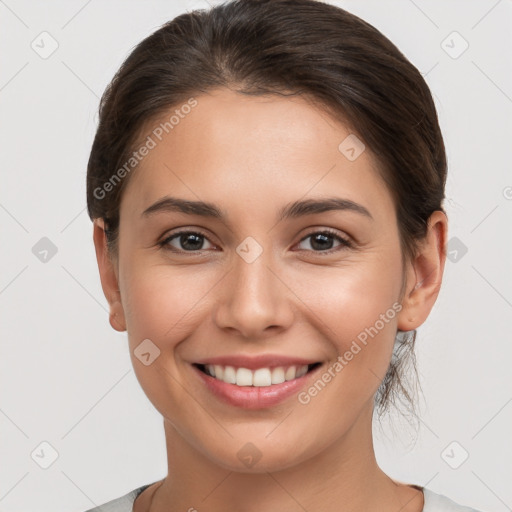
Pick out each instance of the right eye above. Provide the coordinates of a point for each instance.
(190, 241)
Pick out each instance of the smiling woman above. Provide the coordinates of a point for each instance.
(271, 252)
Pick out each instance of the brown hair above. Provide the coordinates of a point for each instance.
(286, 47)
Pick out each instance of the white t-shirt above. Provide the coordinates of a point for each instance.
(433, 503)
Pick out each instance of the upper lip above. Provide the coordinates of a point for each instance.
(255, 362)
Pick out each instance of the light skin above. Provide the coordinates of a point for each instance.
(251, 156)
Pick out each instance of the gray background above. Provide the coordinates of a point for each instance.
(66, 376)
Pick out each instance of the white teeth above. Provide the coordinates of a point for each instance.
(290, 373)
(301, 370)
(219, 371)
(229, 375)
(278, 375)
(243, 377)
(260, 377)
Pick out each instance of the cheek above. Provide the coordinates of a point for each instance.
(163, 303)
(353, 297)
(356, 309)
(165, 306)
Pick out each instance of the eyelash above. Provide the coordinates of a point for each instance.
(345, 243)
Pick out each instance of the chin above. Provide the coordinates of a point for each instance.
(260, 456)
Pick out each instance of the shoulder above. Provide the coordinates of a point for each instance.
(439, 503)
(122, 504)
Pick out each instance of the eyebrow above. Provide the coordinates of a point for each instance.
(291, 210)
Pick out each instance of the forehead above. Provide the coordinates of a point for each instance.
(244, 149)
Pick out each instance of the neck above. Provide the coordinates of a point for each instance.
(343, 475)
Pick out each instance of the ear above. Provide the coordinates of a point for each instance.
(109, 277)
(424, 275)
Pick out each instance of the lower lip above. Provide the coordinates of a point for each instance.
(254, 397)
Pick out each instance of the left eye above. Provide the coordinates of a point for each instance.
(321, 240)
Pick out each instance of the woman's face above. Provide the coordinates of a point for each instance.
(256, 289)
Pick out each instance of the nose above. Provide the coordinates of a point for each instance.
(255, 301)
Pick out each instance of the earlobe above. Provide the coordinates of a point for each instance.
(108, 277)
(424, 275)
(116, 325)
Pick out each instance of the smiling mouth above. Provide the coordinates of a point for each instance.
(256, 378)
